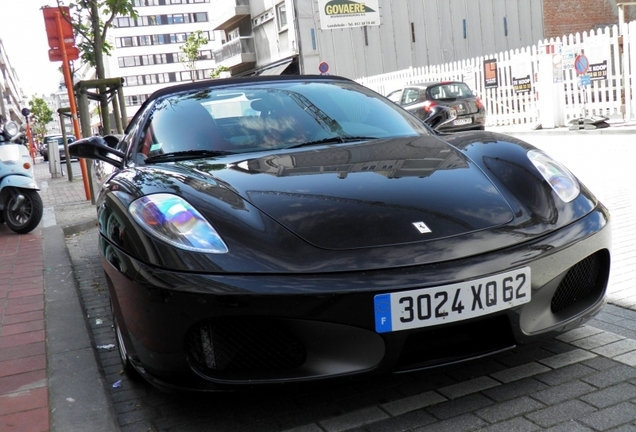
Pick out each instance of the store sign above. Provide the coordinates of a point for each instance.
(335, 14)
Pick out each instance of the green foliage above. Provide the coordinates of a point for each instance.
(217, 71)
(91, 30)
(41, 115)
(190, 51)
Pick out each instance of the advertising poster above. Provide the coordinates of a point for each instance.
(597, 52)
(521, 69)
(335, 14)
(491, 79)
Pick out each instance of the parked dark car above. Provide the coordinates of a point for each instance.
(285, 229)
(44, 148)
(420, 98)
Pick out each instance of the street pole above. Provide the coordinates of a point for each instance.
(71, 98)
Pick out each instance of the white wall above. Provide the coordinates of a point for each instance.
(439, 34)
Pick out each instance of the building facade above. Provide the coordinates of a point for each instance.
(147, 50)
(257, 37)
(562, 17)
(11, 99)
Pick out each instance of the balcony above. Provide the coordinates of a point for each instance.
(231, 12)
(238, 52)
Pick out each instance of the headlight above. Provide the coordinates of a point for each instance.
(172, 219)
(12, 128)
(560, 179)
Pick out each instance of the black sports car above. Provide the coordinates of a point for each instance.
(421, 98)
(285, 229)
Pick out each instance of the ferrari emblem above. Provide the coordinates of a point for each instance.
(421, 227)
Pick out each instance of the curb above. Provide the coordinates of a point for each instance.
(78, 393)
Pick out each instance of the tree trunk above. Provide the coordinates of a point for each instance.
(99, 66)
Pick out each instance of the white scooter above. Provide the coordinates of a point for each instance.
(20, 203)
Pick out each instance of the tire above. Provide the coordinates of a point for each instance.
(126, 365)
(28, 214)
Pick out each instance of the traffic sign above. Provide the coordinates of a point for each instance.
(323, 67)
(50, 25)
(581, 64)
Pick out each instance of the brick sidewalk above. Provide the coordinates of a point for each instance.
(23, 383)
(24, 400)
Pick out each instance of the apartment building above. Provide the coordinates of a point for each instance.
(11, 101)
(147, 50)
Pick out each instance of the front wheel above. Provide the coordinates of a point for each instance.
(22, 210)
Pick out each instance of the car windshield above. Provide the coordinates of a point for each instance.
(274, 115)
(450, 91)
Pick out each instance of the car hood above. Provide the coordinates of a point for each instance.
(379, 193)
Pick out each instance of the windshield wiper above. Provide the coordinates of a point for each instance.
(187, 154)
(334, 139)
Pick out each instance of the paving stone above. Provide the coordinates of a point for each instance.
(408, 421)
(563, 392)
(514, 389)
(597, 340)
(616, 348)
(456, 407)
(610, 377)
(412, 403)
(467, 387)
(509, 409)
(306, 428)
(566, 373)
(627, 358)
(518, 424)
(578, 333)
(569, 426)
(574, 356)
(466, 422)
(611, 395)
(556, 414)
(600, 363)
(610, 417)
(354, 419)
(519, 372)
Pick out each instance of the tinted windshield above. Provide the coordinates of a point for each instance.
(273, 115)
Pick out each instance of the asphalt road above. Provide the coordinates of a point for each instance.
(585, 380)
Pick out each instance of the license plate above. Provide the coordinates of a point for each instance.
(449, 303)
(459, 122)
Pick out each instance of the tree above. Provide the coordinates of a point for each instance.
(91, 30)
(190, 52)
(216, 73)
(41, 115)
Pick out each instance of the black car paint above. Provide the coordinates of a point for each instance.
(324, 291)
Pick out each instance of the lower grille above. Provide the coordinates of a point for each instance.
(238, 346)
(583, 281)
(437, 346)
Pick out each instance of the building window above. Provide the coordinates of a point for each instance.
(281, 16)
(124, 22)
(234, 34)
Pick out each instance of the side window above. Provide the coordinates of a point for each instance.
(410, 96)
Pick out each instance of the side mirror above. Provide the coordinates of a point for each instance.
(96, 148)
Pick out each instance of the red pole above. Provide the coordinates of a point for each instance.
(30, 140)
(71, 98)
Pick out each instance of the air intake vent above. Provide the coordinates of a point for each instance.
(583, 281)
(237, 346)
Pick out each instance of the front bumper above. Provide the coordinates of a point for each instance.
(213, 332)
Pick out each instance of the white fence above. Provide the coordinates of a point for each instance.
(557, 95)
